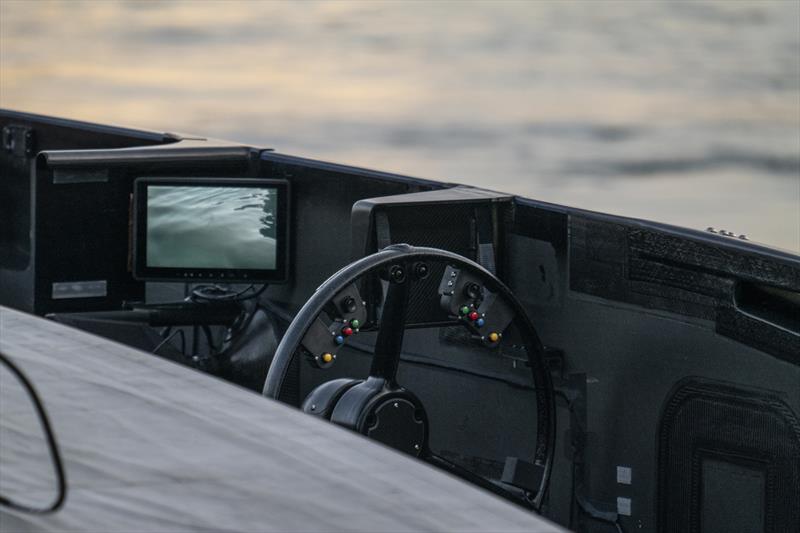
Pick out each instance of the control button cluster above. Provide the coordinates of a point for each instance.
(340, 330)
(464, 296)
(470, 315)
(323, 339)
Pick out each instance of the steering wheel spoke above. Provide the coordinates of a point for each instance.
(389, 344)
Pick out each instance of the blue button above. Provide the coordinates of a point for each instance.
(339, 339)
(480, 322)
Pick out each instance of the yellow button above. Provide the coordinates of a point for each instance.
(327, 357)
(494, 337)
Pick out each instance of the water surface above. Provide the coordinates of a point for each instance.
(681, 112)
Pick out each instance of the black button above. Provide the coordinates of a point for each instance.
(349, 305)
(472, 291)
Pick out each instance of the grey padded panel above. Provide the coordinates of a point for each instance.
(153, 446)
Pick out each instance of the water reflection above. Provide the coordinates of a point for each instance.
(211, 227)
(683, 112)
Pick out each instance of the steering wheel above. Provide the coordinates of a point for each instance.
(381, 408)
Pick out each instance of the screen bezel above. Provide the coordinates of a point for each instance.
(143, 272)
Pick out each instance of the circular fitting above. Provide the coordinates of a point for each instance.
(397, 274)
(421, 270)
(349, 305)
(472, 291)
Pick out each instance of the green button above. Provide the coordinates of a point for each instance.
(464, 310)
(355, 323)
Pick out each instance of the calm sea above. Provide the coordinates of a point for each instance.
(681, 112)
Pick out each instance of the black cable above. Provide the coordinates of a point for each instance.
(283, 314)
(588, 508)
(256, 294)
(215, 293)
(209, 341)
(211, 294)
(241, 324)
(169, 338)
(195, 331)
(58, 464)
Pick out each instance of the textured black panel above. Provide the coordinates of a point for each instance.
(719, 259)
(449, 227)
(739, 440)
(780, 342)
(696, 279)
(540, 224)
(598, 258)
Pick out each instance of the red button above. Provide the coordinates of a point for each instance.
(473, 316)
(347, 331)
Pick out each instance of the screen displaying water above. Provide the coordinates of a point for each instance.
(211, 227)
(680, 112)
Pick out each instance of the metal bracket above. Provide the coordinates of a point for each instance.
(19, 141)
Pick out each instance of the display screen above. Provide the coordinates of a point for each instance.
(210, 229)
